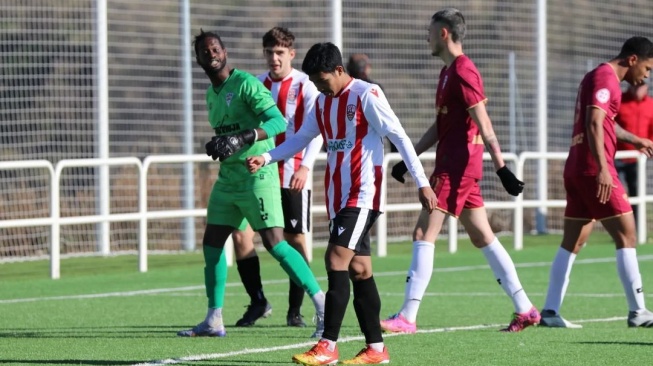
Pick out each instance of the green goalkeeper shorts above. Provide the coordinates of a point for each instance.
(258, 201)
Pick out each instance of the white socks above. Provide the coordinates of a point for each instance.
(628, 269)
(318, 301)
(506, 274)
(419, 275)
(214, 318)
(559, 279)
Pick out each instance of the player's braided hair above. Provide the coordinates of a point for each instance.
(199, 39)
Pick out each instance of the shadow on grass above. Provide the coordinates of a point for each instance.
(69, 362)
(168, 331)
(618, 343)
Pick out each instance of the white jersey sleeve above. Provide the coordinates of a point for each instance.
(382, 118)
(310, 95)
(307, 133)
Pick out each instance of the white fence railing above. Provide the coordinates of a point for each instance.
(143, 215)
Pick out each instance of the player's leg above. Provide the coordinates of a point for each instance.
(577, 226)
(222, 218)
(263, 209)
(348, 235)
(622, 230)
(249, 269)
(474, 219)
(325, 352)
(296, 213)
(367, 305)
(426, 231)
(630, 172)
(576, 231)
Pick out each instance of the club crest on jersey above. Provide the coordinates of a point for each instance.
(351, 111)
(375, 92)
(292, 95)
(228, 98)
(602, 95)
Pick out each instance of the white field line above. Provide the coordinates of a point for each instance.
(237, 284)
(250, 351)
(201, 293)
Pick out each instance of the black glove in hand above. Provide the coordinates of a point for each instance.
(398, 171)
(210, 148)
(228, 145)
(512, 185)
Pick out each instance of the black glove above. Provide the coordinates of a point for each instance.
(512, 185)
(398, 171)
(225, 146)
(210, 148)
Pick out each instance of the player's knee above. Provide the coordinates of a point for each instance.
(359, 271)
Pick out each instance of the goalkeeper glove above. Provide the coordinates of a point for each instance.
(210, 147)
(512, 185)
(398, 171)
(225, 146)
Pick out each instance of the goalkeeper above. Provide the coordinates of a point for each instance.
(245, 118)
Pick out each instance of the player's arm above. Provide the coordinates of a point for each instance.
(427, 140)
(315, 146)
(644, 145)
(479, 115)
(224, 146)
(299, 177)
(482, 119)
(383, 120)
(288, 148)
(270, 121)
(595, 139)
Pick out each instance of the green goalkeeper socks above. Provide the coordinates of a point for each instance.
(215, 275)
(296, 267)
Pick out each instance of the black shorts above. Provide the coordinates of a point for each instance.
(296, 210)
(351, 229)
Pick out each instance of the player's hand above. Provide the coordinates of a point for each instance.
(604, 185)
(254, 163)
(231, 144)
(298, 179)
(398, 171)
(645, 146)
(210, 148)
(428, 199)
(512, 185)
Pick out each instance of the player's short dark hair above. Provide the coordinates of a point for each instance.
(357, 64)
(322, 57)
(199, 39)
(278, 36)
(454, 20)
(641, 47)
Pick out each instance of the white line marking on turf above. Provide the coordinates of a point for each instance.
(269, 282)
(271, 294)
(250, 351)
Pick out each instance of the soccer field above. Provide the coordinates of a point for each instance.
(103, 312)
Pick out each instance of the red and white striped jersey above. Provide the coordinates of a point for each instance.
(295, 96)
(353, 124)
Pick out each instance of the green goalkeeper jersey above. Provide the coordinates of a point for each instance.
(236, 106)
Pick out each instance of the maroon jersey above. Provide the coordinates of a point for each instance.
(600, 89)
(460, 147)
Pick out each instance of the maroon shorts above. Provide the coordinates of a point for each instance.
(456, 194)
(582, 202)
